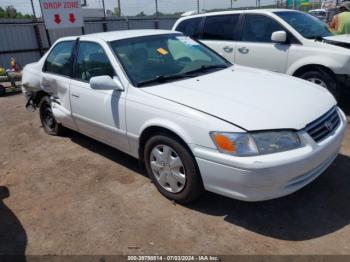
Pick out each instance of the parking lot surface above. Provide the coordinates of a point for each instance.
(73, 195)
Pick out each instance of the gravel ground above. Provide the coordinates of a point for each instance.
(73, 195)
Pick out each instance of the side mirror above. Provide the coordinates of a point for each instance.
(279, 37)
(106, 83)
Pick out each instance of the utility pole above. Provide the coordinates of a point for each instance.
(156, 8)
(37, 31)
(104, 25)
(33, 9)
(119, 8)
(104, 8)
(257, 3)
(198, 6)
(231, 4)
(46, 30)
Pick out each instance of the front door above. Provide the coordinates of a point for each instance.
(256, 48)
(98, 113)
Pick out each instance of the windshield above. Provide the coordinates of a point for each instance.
(157, 59)
(308, 26)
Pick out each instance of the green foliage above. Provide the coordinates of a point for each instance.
(11, 12)
(141, 14)
(116, 11)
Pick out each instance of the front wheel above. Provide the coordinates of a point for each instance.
(48, 120)
(172, 169)
(2, 90)
(323, 79)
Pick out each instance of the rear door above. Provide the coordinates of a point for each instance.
(220, 33)
(190, 27)
(256, 48)
(98, 113)
(56, 77)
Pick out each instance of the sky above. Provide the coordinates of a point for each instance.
(133, 7)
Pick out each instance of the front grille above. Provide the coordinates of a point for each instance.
(322, 127)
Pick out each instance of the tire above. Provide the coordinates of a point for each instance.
(48, 120)
(181, 184)
(2, 90)
(322, 78)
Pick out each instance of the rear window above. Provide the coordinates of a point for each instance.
(220, 27)
(190, 27)
(59, 61)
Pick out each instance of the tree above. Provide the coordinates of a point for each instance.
(11, 12)
(2, 12)
(116, 11)
(141, 14)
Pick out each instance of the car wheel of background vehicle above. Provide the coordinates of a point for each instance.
(2, 90)
(47, 118)
(323, 79)
(172, 169)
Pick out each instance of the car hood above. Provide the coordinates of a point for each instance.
(339, 38)
(249, 98)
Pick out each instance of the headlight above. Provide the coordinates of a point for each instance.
(255, 143)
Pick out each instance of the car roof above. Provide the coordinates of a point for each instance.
(118, 35)
(255, 11)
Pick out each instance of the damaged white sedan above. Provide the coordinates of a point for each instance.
(196, 121)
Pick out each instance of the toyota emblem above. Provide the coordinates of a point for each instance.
(328, 125)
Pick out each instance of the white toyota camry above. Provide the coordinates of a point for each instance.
(196, 121)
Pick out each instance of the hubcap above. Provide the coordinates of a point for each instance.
(168, 168)
(317, 81)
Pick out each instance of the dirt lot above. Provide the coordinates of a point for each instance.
(73, 195)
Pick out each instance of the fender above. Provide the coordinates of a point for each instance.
(134, 139)
(333, 64)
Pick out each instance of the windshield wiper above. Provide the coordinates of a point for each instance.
(163, 79)
(189, 74)
(204, 69)
(317, 38)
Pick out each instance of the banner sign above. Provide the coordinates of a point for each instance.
(329, 4)
(298, 3)
(61, 13)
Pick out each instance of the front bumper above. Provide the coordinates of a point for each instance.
(268, 176)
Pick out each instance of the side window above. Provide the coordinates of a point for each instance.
(92, 61)
(59, 61)
(259, 28)
(220, 27)
(190, 27)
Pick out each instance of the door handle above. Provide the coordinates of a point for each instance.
(76, 96)
(243, 50)
(228, 49)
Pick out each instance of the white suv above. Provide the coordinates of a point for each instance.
(284, 41)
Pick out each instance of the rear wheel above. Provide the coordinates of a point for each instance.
(172, 169)
(2, 90)
(322, 78)
(48, 120)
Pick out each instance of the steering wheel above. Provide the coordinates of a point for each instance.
(184, 60)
